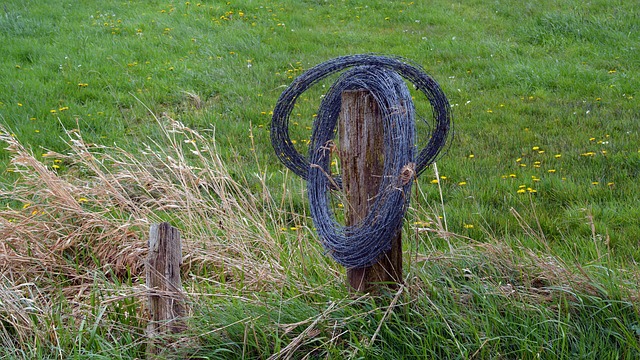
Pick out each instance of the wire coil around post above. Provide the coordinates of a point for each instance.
(360, 245)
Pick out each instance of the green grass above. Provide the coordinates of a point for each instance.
(541, 170)
(464, 305)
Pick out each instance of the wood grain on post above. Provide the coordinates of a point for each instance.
(361, 138)
(166, 300)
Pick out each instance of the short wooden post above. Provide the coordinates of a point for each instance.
(361, 160)
(166, 300)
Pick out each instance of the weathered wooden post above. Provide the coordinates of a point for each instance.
(361, 160)
(166, 300)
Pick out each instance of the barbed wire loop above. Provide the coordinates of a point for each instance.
(361, 244)
(441, 110)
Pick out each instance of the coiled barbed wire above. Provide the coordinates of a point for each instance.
(360, 245)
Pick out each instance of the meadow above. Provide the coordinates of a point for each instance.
(522, 243)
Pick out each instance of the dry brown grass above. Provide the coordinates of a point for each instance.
(102, 205)
(62, 228)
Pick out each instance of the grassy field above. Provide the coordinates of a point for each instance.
(117, 114)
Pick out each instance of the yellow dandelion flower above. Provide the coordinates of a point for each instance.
(595, 182)
(557, 156)
(462, 183)
(468, 226)
(521, 191)
(551, 171)
(536, 148)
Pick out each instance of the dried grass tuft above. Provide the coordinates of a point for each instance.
(62, 228)
(101, 208)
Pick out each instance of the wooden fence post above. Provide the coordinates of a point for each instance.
(166, 300)
(361, 138)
